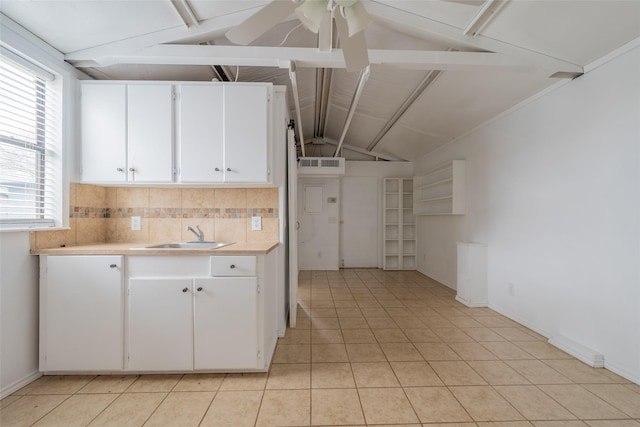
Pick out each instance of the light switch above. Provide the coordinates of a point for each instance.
(256, 223)
(136, 223)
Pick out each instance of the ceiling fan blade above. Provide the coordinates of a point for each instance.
(354, 48)
(265, 19)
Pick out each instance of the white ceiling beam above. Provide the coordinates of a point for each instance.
(409, 14)
(486, 14)
(296, 100)
(176, 7)
(362, 80)
(206, 27)
(261, 56)
(359, 150)
(417, 93)
(185, 12)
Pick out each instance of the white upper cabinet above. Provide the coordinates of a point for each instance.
(127, 132)
(201, 133)
(223, 132)
(150, 133)
(246, 132)
(104, 132)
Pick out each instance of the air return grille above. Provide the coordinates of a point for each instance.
(321, 166)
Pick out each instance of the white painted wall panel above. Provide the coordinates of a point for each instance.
(18, 312)
(554, 190)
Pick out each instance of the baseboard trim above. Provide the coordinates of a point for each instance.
(17, 385)
(622, 372)
(517, 319)
(579, 351)
(438, 279)
(471, 304)
(609, 366)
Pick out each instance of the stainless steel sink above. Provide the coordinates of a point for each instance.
(188, 245)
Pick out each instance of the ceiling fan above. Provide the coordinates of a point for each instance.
(350, 17)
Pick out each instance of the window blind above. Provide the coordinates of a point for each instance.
(29, 147)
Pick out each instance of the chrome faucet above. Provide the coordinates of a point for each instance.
(199, 233)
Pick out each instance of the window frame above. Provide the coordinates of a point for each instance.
(47, 149)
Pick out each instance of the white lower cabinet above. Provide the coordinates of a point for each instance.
(179, 314)
(81, 313)
(160, 326)
(225, 331)
(181, 324)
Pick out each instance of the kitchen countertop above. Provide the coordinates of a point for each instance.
(244, 248)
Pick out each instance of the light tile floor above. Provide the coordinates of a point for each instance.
(371, 348)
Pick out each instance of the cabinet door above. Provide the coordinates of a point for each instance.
(104, 132)
(82, 313)
(201, 133)
(150, 132)
(160, 324)
(246, 133)
(226, 323)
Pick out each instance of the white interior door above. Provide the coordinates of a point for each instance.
(319, 232)
(293, 227)
(359, 228)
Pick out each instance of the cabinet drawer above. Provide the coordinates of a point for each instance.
(233, 266)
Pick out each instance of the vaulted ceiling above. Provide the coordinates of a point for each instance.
(429, 82)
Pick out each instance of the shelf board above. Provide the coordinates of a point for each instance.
(433, 184)
(436, 171)
(436, 199)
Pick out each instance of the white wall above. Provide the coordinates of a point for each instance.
(19, 270)
(379, 171)
(553, 188)
(18, 312)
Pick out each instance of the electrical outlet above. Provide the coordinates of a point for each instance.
(256, 223)
(511, 289)
(136, 223)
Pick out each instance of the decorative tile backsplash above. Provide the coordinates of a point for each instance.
(103, 215)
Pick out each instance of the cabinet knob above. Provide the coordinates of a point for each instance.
(228, 169)
(232, 266)
(132, 170)
(113, 266)
(120, 169)
(185, 290)
(200, 289)
(217, 169)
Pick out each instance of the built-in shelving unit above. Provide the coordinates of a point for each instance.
(399, 225)
(440, 191)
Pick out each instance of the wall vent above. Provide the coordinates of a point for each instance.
(321, 166)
